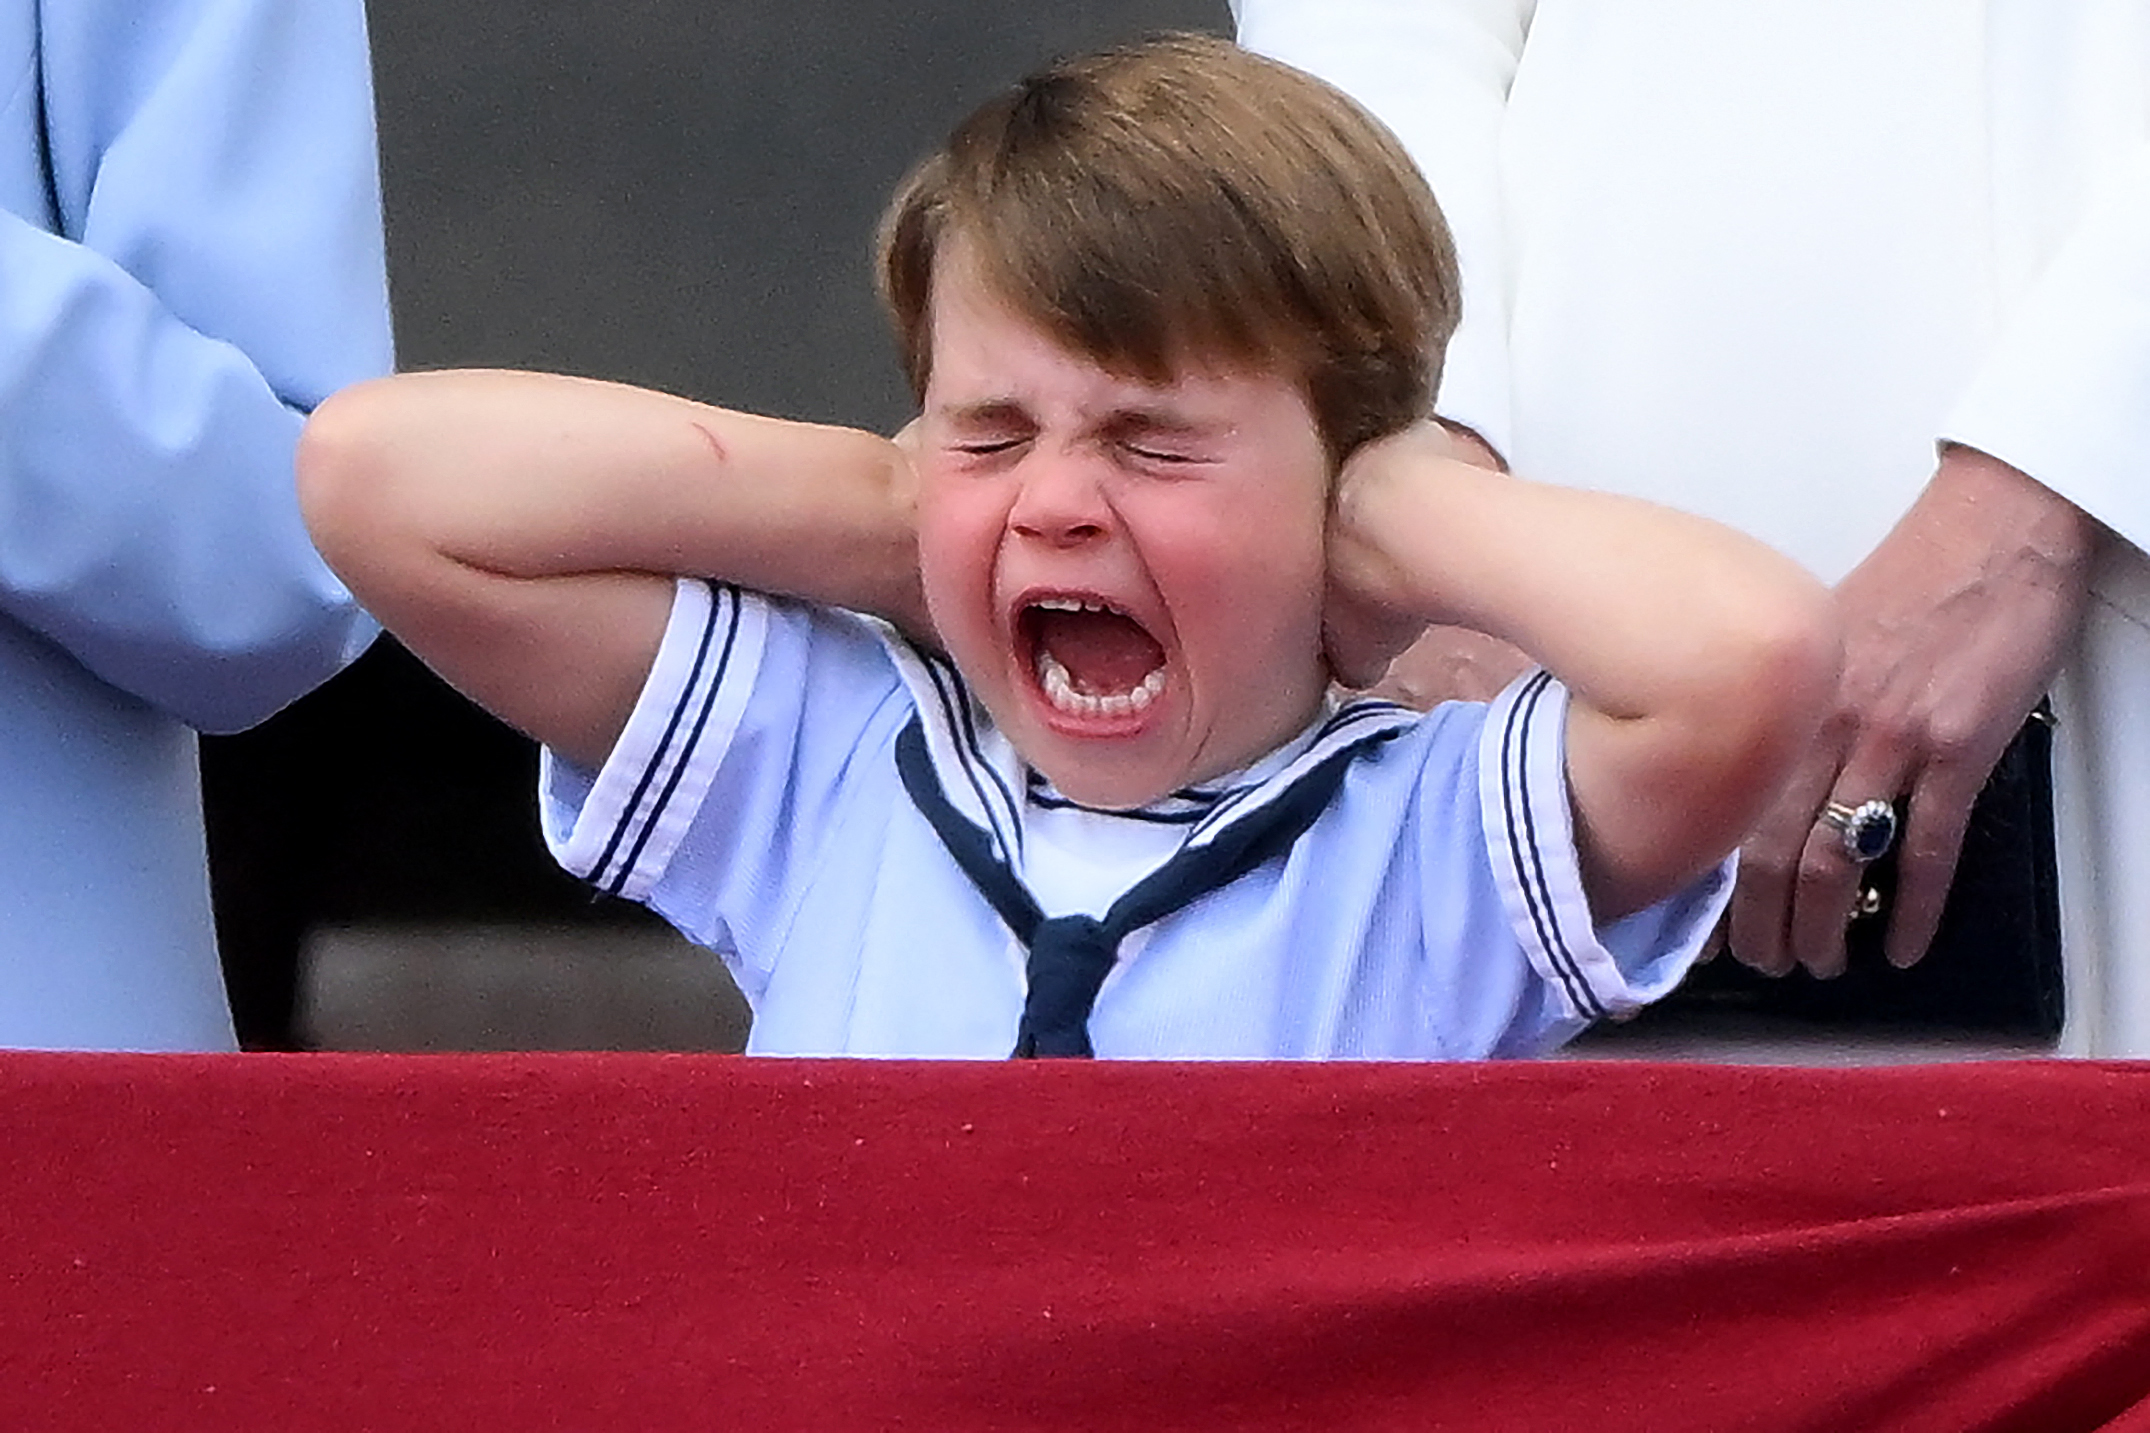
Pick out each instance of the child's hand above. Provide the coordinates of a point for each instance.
(1364, 629)
(1360, 639)
(912, 616)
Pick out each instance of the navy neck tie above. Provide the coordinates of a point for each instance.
(1071, 955)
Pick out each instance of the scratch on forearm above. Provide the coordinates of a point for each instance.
(716, 444)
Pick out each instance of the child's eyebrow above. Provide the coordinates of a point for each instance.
(1158, 423)
(992, 413)
(1120, 424)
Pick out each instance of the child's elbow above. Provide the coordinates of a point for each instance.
(1777, 685)
(341, 471)
(1756, 679)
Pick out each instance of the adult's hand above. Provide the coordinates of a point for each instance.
(1450, 664)
(1953, 627)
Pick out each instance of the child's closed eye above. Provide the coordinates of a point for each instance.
(1157, 442)
(1160, 459)
(1160, 455)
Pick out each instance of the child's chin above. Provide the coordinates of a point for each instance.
(1109, 781)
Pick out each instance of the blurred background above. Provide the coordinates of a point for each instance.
(677, 193)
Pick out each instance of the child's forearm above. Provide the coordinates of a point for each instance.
(520, 531)
(1699, 659)
(1632, 605)
(536, 475)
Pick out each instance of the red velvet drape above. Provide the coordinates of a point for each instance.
(675, 1242)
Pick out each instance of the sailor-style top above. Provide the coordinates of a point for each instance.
(828, 809)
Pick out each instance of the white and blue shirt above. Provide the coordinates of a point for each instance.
(1434, 909)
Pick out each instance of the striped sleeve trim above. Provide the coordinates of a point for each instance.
(653, 783)
(1530, 839)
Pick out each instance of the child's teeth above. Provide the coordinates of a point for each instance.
(1059, 688)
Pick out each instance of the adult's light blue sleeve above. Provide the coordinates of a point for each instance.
(190, 260)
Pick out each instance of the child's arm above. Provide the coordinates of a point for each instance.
(1700, 661)
(520, 531)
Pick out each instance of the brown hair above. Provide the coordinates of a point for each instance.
(1186, 201)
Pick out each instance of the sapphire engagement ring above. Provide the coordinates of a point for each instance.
(1864, 832)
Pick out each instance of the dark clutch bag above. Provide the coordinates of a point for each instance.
(1995, 962)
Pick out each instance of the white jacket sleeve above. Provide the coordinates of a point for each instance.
(2064, 394)
(190, 259)
(1437, 72)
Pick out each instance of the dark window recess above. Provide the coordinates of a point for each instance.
(1995, 964)
(385, 797)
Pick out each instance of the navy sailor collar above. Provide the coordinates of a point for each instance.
(987, 783)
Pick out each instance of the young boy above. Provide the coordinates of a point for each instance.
(1172, 315)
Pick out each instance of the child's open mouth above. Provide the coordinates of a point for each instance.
(1090, 660)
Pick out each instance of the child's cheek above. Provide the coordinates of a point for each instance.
(957, 543)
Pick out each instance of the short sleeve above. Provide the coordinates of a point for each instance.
(717, 802)
(618, 831)
(1530, 841)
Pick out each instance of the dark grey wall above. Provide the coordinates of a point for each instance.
(683, 194)
(674, 192)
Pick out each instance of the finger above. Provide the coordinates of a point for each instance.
(1936, 817)
(1760, 901)
(1829, 879)
(1451, 664)
(1352, 660)
(1341, 648)
(1769, 863)
(1715, 945)
(1822, 896)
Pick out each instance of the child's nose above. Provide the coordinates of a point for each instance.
(1060, 500)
